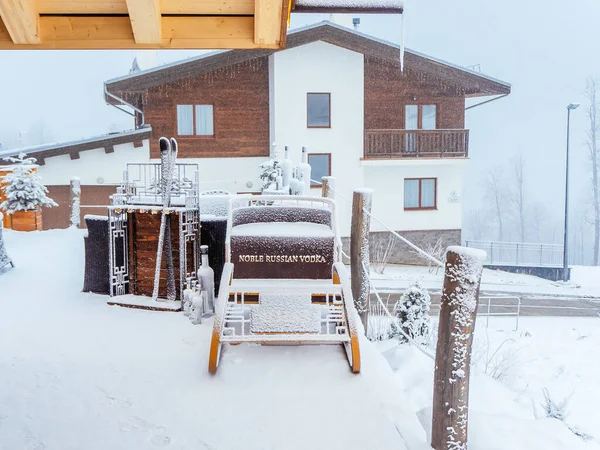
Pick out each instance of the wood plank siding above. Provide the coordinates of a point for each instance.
(240, 98)
(388, 91)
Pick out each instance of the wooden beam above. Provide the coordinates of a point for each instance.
(21, 20)
(267, 21)
(145, 20)
(102, 32)
(167, 7)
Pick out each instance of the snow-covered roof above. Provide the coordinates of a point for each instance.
(352, 5)
(322, 31)
(106, 141)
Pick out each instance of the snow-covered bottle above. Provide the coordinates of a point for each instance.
(286, 168)
(305, 170)
(279, 183)
(196, 309)
(207, 278)
(294, 182)
(188, 292)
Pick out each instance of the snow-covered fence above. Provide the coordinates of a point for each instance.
(459, 302)
(520, 254)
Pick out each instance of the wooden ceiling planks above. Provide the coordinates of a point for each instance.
(115, 32)
(130, 24)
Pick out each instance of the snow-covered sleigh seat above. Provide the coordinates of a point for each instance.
(284, 282)
(283, 238)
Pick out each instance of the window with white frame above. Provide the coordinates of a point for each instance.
(195, 120)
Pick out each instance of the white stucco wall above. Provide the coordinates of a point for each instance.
(322, 67)
(229, 174)
(92, 165)
(97, 167)
(387, 181)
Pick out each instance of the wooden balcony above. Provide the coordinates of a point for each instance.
(392, 144)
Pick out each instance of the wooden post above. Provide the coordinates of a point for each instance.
(359, 251)
(75, 202)
(453, 356)
(327, 187)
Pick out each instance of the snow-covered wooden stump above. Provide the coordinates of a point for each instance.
(75, 202)
(453, 356)
(327, 187)
(359, 251)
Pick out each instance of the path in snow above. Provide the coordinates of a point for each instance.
(78, 374)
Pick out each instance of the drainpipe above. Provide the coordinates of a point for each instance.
(123, 102)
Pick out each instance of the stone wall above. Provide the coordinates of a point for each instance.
(402, 253)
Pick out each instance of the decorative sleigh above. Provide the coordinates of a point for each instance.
(284, 282)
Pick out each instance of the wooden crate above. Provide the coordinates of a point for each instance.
(27, 220)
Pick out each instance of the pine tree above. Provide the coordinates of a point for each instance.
(23, 187)
(413, 312)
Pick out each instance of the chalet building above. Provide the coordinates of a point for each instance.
(340, 93)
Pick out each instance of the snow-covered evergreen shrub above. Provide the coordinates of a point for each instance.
(24, 189)
(269, 171)
(412, 310)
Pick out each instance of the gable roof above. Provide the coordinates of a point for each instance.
(468, 82)
(72, 148)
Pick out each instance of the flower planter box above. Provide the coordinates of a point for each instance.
(27, 220)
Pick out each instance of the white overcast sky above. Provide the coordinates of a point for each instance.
(544, 48)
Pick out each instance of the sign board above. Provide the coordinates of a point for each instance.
(453, 197)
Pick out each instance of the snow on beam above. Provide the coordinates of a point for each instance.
(350, 6)
(21, 20)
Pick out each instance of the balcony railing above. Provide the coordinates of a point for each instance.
(416, 143)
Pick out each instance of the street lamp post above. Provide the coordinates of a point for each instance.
(570, 107)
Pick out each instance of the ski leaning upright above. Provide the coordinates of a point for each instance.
(168, 156)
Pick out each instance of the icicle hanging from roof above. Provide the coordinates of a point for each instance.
(402, 24)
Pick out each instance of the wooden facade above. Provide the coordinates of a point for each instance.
(240, 98)
(143, 230)
(236, 83)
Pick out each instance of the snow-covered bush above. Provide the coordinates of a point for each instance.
(269, 171)
(24, 189)
(412, 310)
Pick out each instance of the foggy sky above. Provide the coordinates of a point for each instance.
(544, 48)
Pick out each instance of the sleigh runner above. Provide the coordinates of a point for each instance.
(284, 282)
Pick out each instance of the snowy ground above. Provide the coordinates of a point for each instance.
(76, 373)
(511, 368)
(585, 281)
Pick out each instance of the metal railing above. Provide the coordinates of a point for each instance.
(142, 185)
(520, 253)
(416, 143)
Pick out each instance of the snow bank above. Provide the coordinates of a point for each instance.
(78, 374)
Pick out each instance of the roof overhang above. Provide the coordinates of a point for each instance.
(175, 24)
(465, 82)
(73, 148)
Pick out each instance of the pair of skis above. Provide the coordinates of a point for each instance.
(168, 157)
